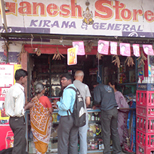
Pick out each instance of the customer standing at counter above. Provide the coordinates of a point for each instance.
(14, 107)
(67, 132)
(85, 93)
(122, 114)
(40, 118)
(104, 95)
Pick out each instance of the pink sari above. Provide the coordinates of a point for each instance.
(122, 117)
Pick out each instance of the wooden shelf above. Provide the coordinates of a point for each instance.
(133, 83)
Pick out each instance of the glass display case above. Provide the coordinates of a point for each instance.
(94, 139)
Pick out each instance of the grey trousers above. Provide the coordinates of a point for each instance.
(67, 136)
(18, 127)
(109, 127)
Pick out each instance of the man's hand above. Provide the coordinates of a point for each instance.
(94, 107)
(54, 104)
(28, 106)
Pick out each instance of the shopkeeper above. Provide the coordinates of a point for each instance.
(122, 115)
(104, 95)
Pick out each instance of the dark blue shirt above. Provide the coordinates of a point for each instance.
(104, 95)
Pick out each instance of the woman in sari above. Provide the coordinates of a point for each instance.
(122, 115)
(41, 119)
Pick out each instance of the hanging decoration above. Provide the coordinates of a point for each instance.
(142, 58)
(22, 51)
(125, 49)
(116, 60)
(38, 52)
(148, 50)
(89, 46)
(103, 47)
(129, 61)
(71, 56)
(136, 50)
(5, 47)
(113, 48)
(79, 47)
(57, 55)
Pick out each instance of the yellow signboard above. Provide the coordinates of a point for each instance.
(16, 67)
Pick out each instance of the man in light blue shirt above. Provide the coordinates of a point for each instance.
(67, 132)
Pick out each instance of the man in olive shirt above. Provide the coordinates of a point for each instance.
(104, 95)
(85, 93)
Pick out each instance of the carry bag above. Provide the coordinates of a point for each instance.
(79, 112)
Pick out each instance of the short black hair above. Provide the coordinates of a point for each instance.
(113, 83)
(94, 83)
(20, 73)
(67, 76)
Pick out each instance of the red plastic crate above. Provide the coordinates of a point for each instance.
(145, 111)
(145, 139)
(145, 124)
(140, 149)
(145, 98)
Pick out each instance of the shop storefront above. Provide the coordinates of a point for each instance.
(110, 39)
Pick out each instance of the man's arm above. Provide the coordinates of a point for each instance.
(87, 101)
(66, 100)
(88, 95)
(97, 97)
(28, 106)
(19, 102)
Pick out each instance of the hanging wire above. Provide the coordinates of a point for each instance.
(41, 40)
(32, 37)
(99, 71)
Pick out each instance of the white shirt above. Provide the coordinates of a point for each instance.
(15, 101)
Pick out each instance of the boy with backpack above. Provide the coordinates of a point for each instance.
(67, 131)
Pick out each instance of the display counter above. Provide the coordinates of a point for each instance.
(94, 136)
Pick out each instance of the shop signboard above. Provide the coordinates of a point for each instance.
(6, 75)
(7, 137)
(78, 17)
(7, 72)
(16, 67)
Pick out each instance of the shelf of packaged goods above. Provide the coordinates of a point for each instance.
(92, 137)
(94, 151)
(90, 110)
(55, 85)
(94, 121)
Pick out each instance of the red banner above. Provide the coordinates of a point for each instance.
(7, 137)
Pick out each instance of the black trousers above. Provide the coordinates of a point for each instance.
(110, 127)
(18, 127)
